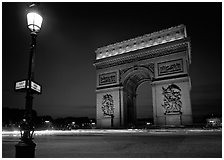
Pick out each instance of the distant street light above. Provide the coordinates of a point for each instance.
(47, 124)
(26, 147)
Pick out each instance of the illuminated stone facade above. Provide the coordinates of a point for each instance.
(162, 58)
(145, 41)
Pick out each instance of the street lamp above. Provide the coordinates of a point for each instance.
(34, 21)
(26, 147)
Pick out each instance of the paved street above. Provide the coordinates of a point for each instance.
(157, 144)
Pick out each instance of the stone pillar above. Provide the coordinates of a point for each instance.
(107, 100)
(171, 102)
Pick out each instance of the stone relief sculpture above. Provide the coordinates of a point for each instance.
(108, 105)
(172, 99)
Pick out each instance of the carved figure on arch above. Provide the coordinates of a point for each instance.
(108, 105)
(172, 99)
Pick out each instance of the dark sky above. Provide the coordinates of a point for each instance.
(70, 34)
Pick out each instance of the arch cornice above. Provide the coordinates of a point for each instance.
(148, 40)
(148, 53)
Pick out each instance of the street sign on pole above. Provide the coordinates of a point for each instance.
(36, 87)
(21, 86)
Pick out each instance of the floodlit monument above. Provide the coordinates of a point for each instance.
(163, 58)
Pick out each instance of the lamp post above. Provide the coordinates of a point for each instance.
(26, 147)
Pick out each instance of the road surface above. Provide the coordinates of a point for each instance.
(158, 144)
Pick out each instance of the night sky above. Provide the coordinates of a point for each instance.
(70, 34)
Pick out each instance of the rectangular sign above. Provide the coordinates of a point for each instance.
(108, 78)
(35, 87)
(170, 67)
(23, 85)
(20, 85)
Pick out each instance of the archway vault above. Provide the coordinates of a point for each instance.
(163, 58)
(135, 76)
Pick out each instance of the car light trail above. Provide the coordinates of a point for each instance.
(106, 131)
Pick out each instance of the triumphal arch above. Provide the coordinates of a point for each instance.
(163, 58)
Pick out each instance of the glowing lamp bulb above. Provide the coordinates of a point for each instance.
(34, 21)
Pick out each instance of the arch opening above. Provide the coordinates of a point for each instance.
(131, 84)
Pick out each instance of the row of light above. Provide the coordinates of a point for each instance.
(144, 44)
(99, 131)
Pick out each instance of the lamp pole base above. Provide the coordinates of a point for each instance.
(25, 149)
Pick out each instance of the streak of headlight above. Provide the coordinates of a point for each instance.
(95, 131)
(69, 132)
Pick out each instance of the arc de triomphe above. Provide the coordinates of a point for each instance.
(163, 58)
